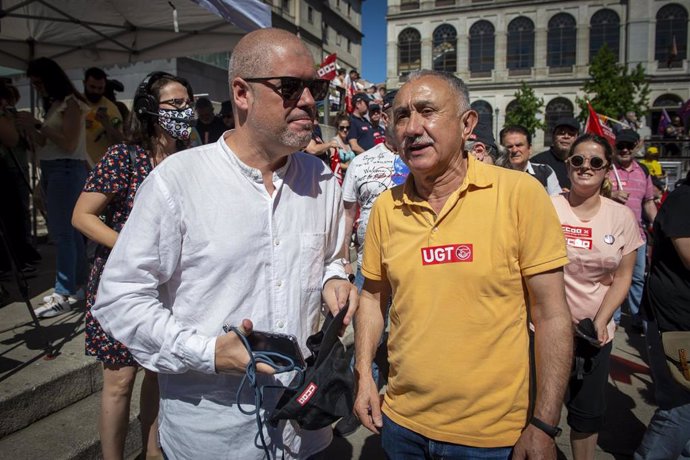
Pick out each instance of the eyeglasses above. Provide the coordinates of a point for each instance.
(178, 103)
(595, 163)
(291, 88)
(343, 128)
(625, 146)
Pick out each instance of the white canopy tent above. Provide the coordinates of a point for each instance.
(84, 33)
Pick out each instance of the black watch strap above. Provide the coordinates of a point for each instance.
(553, 431)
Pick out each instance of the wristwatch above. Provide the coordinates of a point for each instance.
(553, 431)
(345, 261)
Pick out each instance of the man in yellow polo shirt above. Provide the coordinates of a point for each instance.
(461, 246)
(104, 121)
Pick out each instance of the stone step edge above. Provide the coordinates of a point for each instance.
(35, 403)
(71, 433)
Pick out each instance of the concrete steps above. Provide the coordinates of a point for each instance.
(50, 407)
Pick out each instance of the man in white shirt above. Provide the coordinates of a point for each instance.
(517, 141)
(242, 232)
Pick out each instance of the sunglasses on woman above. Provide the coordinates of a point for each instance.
(291, 88)
(343, 128)
(595, 163)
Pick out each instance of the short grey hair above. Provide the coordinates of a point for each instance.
(457, 85)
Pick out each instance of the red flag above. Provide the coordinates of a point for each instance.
(595, 125)
(335, 165)
(327, 69)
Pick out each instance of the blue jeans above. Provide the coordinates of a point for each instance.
(62, 182)
(668, 433)
(636, 287)
(402, 444)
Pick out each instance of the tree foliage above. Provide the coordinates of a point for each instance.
(613, 89)
(525, 109)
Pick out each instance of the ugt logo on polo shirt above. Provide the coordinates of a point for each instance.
(448, 254)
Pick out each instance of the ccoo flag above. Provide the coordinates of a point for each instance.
(327, 69)
(597, 125)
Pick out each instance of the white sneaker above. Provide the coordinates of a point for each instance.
(58, 305)
(80, 295)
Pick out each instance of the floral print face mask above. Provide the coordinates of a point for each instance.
(177, 123)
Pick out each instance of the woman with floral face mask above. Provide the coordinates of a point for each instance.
(158, 127)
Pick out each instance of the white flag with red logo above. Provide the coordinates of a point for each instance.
(327, 69)
(596, 124)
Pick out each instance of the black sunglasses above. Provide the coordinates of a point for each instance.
(595, 163)
(291, 88)
(343, 128)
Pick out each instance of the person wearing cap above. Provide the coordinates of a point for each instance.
(460, 247)
(482, 145)
(361, 135)
(632, 186)
(226, 114)
(379, 128)
(565, 132)
(209, 126)
(517, 141)
(651, 162)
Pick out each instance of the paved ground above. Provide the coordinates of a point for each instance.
(629, 393)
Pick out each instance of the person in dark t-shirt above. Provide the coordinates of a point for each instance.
(209, 126)
(565, 132)
(667, 304)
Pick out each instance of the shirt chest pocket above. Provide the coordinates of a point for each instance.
(311, 259)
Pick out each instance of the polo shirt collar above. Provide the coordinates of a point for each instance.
(475, 178)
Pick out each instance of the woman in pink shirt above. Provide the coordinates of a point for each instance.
(601, 239)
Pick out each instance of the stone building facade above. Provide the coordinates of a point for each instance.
(494, 45)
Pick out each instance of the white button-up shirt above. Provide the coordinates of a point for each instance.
(204, 245)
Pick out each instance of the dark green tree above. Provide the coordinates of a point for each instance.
(613, 89)
(525, 109)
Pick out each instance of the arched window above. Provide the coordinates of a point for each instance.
(558, 108)
(486, 114)
(482, 41)
(560, 46)
(511, 106)
(445, 53)
(604, 30)
(409, 51)
(520, 55)
(671, 35)
(668, 100)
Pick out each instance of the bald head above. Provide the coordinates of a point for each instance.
(258, 51)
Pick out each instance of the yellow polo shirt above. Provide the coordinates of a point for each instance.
(458, 344)
(97, 142)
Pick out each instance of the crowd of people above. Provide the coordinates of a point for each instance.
(496, 296)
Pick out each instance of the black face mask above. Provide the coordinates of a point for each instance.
(92, 97)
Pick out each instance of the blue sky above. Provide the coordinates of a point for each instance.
(374, 42)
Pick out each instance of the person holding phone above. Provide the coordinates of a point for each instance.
(601, 239)
(104, 121)
(247, 231)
